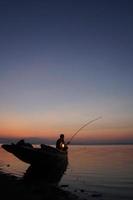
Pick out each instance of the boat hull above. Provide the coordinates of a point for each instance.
(46, 162)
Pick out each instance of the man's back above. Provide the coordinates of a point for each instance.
(58, 143)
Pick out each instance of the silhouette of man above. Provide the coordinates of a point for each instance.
(60, 143)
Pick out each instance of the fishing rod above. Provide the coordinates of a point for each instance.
(82, 128)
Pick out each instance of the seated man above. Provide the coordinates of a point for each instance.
(23, 143)
(60, 143)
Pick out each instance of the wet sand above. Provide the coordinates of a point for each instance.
(13, 188)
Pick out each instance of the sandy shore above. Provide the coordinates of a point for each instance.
(13, 188)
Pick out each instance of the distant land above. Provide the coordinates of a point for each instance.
(38, 140)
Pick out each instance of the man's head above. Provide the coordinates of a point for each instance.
(62, 136)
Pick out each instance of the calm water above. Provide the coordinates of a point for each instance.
(107, 170)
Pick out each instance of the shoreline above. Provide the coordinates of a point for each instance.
(14, 188)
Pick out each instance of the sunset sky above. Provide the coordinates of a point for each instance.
(63, 63)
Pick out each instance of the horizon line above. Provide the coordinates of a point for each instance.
(39, 140)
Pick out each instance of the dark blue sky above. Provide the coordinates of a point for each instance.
(68, 60)
(61, 28)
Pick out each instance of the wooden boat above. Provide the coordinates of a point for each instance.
(45, 154)
(46, 159)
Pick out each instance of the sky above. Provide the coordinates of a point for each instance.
(64, 63)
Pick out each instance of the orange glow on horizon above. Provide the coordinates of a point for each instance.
(52, 133)
(13, 125)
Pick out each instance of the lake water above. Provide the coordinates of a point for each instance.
(94, 169)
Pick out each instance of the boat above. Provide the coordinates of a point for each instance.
(46, 160)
